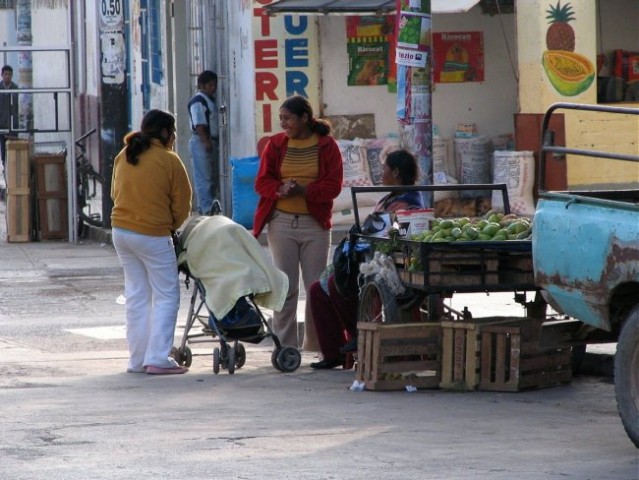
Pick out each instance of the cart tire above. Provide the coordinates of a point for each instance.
(183, 356)
(240, 356)
(230, 361)
(216, 360)
(627, 375)
(274, 361)
(289, 359)
(377, 304)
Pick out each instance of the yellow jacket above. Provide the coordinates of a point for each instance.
(152, 197)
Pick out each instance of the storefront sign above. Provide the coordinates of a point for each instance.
(458, 57)
(283, 48)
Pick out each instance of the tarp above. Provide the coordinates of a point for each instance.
(360, 7)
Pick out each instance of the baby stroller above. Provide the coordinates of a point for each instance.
(231, 276)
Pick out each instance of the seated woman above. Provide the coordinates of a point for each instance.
(335, 316)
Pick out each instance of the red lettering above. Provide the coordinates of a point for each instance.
(265, 22)
(266, 53)
(265, 85)
(267, 117)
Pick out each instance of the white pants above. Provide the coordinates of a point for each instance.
(152, 291)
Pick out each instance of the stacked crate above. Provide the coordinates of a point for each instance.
(512, 360)
(51, 195)
(461, 351)
(394, 356)
(18, 178)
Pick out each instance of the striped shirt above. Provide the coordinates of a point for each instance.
(300, 163)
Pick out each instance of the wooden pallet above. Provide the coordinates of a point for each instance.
(512, 360)
(394, 356)
(51, 188)
(18, 178)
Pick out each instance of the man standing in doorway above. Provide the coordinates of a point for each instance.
(8, 110)
(203, 145)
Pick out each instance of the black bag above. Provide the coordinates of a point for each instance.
(242, 321)
(348, 254)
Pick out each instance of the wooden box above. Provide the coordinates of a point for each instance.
(51, 194)
(461, 348)
(394, 356)
(18, 177)
(512, 360)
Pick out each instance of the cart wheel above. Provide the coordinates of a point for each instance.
(627, 375)
(289, 359)
(240, 356)
(183, 356)
(274, 361)
(230, 361)
(377, 304)
(216, 360)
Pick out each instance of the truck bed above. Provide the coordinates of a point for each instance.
(585, 248)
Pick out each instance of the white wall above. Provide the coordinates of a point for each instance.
(490, 104)
(242, 111)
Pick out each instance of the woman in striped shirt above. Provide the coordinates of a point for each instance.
(299, 176)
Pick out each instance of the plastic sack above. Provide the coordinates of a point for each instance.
(244, 197)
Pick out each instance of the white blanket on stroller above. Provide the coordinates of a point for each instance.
(230, 263)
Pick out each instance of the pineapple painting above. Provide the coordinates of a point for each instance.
(560, 35)
(569, 72)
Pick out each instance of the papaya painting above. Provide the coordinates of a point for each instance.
(569, 72)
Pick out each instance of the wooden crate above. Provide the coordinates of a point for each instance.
(18, 216)
(456, 270)
(512, 360)
(51, 193)
(461, 349)
(516, 270)
(393, 356)
(18, 178)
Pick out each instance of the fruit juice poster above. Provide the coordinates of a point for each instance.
(367, 46)
(458, 57)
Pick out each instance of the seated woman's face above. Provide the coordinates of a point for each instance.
(390, 176)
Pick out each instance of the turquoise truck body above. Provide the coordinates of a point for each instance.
(586, 251)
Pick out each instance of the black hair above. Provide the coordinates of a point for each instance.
(406, 164)
(153, 123)
(7, 68)
(205, 77)
(299, 106)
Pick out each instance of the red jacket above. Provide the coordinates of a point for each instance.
(319, 193)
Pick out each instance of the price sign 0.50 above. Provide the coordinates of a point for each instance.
(111, 14)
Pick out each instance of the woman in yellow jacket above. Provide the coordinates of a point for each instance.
(151, 197)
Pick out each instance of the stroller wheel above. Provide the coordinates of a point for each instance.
(240, 356)
(216, 360)
(274, 362)
(183, 356)
(231, 360)
(288, 359)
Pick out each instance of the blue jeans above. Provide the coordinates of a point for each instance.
(206, 173)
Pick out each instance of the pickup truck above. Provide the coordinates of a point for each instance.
(585, 248)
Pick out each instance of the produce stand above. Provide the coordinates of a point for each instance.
(470, 353)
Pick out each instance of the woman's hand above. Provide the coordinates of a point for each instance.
(286, 189)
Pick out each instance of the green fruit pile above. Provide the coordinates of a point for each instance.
(494, 226)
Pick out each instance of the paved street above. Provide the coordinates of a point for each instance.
(69, 411)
